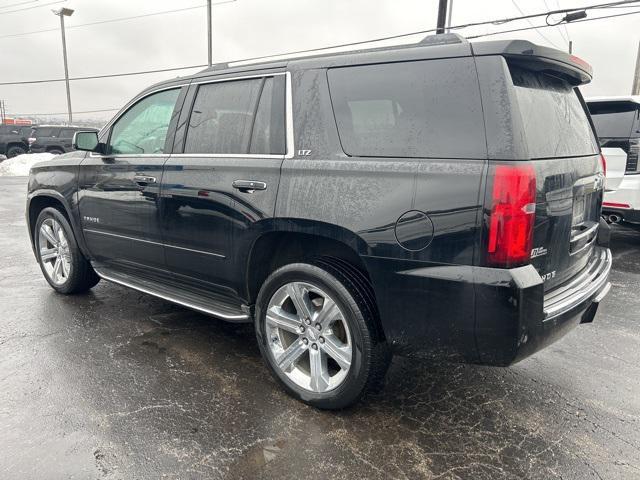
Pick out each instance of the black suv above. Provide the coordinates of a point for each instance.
(53, 139)
(442, 197)
(14, 139)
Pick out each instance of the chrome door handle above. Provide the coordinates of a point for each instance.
(144, 179)
(249, 186)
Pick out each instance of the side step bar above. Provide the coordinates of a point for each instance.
(215, 305)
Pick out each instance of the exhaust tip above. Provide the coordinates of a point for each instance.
(614, 218)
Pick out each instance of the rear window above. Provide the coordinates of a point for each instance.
(613, 119)
(422, 109)
(554, 119)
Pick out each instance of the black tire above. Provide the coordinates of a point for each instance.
(370, 357)
(56, 151)
(15, 150)
(81, 277)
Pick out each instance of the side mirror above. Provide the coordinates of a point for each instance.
(87, 141)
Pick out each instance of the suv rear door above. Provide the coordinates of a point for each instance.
(548, 126)
(219, 187)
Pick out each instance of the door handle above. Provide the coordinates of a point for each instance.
(249, 186)
(144, 179)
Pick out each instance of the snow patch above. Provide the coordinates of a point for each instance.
(20, 165)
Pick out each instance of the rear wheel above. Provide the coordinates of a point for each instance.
(61, 261)
(318, 336)
(15, 150)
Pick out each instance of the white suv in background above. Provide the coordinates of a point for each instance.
(617, 123)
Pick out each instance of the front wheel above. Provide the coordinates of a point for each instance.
(318, 333)
(15, 150)
(60, 259)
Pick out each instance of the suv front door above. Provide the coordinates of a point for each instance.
(118, 192)
(231, 132)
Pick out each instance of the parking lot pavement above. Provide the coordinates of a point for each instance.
(117, 384)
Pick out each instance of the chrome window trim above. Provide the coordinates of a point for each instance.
(289, 140)
(99, 232)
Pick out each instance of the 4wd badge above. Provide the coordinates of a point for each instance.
(538, 252)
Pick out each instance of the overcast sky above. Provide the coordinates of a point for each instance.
(248, 28)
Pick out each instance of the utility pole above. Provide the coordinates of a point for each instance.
(65, 12)
(442, 16)
(2, 114)
(449, 14)
(636, 79)
(209, 33)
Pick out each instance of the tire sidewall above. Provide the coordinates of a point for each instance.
(353, 384)
(21, 151)
(50, 212)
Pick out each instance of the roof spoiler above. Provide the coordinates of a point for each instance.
(538, 58)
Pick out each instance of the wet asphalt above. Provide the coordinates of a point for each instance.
(115, 384)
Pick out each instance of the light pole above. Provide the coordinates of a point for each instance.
(209, 33)
(210, 28)
(65, 12)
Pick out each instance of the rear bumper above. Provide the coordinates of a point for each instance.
(484, 315)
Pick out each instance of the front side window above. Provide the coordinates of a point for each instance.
(66, 133)
(143, 128)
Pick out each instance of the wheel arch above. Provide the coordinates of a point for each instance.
(40, 200)
(296, 241)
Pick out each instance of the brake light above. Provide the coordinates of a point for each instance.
(512, 215)
(616, 205)
(603, 162)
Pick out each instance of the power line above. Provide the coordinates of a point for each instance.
(111, 75)
(531, 23)
(432, 30)
(61, 113)
(350, 44)
(545, 26)
(565, 38)
(18, 4)
(32, 7)
(114, 20)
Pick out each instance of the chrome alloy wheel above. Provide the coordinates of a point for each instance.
(54, 251)
(308, 337)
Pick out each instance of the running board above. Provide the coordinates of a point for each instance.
(215, 305)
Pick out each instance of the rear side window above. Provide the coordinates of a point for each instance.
(421, 109)
(44, 132)
(66, 133)
(268, 136)
(613, 119)
(222, 117)
(555, 122)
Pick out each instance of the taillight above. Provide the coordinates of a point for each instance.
(512, 215)
(603, 162)
(632, 157)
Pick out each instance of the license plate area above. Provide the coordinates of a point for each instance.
(579, 207)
